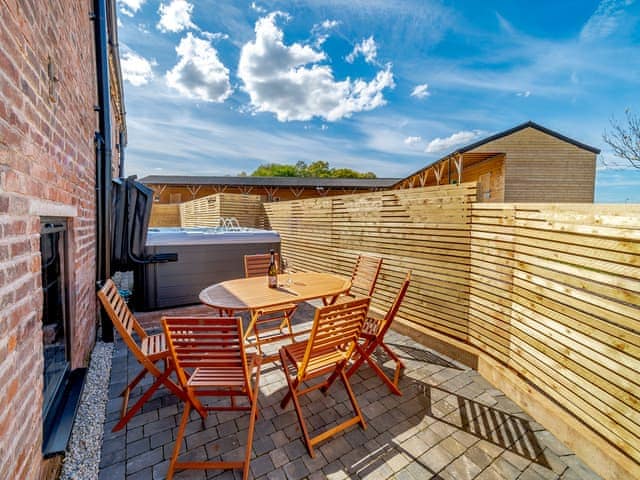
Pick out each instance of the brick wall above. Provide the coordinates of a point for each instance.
(47, 168)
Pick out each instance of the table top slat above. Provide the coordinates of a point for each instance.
(253, 293)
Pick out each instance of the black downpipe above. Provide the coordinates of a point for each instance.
(121, 146)
(103, 157)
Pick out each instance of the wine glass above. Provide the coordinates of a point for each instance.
(285, 270)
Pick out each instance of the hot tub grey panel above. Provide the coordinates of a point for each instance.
(179, 283)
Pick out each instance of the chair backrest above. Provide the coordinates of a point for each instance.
(122, 318)
(208, 342)
(364, 276)
(258, 265)
(395, 306)
(335, 331)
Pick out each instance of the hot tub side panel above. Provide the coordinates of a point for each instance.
(173, 284)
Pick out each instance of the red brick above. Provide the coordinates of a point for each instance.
(46, 153)
(19, 248)
(7, 67)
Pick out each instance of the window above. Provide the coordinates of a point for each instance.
(55, 325)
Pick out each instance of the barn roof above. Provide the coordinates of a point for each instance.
(308, 182)
(522, 126)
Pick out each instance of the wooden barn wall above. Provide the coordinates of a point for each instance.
(176, 194)
(165, 215)
(493, 168)
(545, 297)
(543, 168)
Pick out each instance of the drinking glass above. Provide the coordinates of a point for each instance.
(285, 270)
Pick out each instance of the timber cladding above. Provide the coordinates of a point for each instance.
(165, 215)
(542, 168)
(208, 211)
(547, 296)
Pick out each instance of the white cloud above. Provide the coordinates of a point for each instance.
(458, 138)
(258, 8)
(321, 31)
(421, 91)
(604, 20)
(215, 36)
(289, 80)
(199, 73)
(130, 7)
(328, 24)
(524, 94)
(136, 69)
(367, 48)
(412, 140)
(176, 16)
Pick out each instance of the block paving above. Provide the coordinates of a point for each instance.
(449, 424)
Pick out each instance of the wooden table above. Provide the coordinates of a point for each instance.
(253, 294)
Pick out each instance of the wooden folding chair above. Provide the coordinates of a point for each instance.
(268, 323)
(372, 337)
(332, 341)
(211, 361)
(363, 278)
(152, 349)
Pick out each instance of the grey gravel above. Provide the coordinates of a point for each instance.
(82, 459)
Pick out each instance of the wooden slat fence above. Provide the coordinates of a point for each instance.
(207, 211)
(555, 295)
(426, 230)
(165, 215)
(547, 294)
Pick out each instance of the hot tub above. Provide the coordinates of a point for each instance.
(205, 256)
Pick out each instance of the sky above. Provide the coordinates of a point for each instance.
(219, 87)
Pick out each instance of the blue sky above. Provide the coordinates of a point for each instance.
(216, 87)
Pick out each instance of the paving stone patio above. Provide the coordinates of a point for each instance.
(449, 424)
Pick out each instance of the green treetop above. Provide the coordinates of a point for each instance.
(318, 169)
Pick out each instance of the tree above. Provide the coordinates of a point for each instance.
(275, 170)
(625, 139)
(318, 169)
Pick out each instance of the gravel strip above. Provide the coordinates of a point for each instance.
(82, 460)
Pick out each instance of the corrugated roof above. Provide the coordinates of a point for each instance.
(353, 183)
(497, 136)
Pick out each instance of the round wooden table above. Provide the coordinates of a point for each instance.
(253, 294)
(247, 294)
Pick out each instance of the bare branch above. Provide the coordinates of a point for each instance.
(625, 139)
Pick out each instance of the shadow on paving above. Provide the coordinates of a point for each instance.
(487, 423)
(448, 424)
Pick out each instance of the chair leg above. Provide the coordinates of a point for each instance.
(285, 400)
(364, 355)
(360, 359)
(125, 417)
(399, 363)
(134, 382)
(376, 368)
(178, 445)
(162, 379)
(352, 398)
(252, 424)
(291, 394)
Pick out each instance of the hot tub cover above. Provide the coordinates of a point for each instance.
(208, 236)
